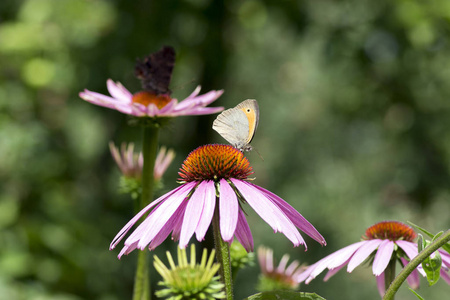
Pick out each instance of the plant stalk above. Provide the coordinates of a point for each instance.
(401, 277)
(149, 148)
(222, 254)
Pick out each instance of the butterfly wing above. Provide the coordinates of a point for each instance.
(251, 109)
(232, 124)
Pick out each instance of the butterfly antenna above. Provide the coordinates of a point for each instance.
(259, 154)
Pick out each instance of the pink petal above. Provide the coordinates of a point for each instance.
(445, 276)
(127, 250)
(445, 257)
(409, 248)
(202, 100)
(169, 107)
(193, 213)
(118, 91)
(382, 257)
(162, 235)
(159, 216)
(331, 261)
(344, 254)
(195, 92)
(294, 216)
(198, 111)
(207, 211)
(179, 222)
(269, 212)
(413, 278)
(292, 268)
(283, 263)
(105, 101)
(362, 253)
(128, 226)
(334, 271)
(243, 233)
(229, 207)
(381, 284)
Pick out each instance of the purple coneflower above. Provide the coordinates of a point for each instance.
(213, 175)
(149, 104)
(383, 243)
(130, 163)
(281, 277)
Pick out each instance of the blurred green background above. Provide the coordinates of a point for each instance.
(354, 128)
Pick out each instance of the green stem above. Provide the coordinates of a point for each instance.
(222, 254)
(401, 277)
(389, 273)
(149, 148)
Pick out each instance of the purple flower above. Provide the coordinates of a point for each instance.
(282, 277)
(148, 104)
(214, 178)
(130, 163)
(382, 242)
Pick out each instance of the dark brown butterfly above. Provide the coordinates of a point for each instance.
(155, 71)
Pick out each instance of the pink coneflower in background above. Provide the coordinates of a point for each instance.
(383, 242)
(281, 277)
(149, 104)
(213, 175)
(130, 163)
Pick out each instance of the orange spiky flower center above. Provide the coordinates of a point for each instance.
(214, 162)
(146, 98)
(390, 230)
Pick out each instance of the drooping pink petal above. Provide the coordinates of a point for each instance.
(127, 250)
(171, 225)
(159, 216)
(380, 284)
(413, 278)
(344, 254)
(193, 213)
(105, 101)
(118, 91)
(169, 107)
(409, 248)
(202, 100)
(269, 212)
(445, 258)
(445, 276)
(207, 211)
(228, 207)
(292, 268)
(335, 259)
(197, 111)
(335, 270)
(283, 263)
(293, 215)
(179, 222)
(382, 257)
(362, 253)
(243, 233)
(128, 226)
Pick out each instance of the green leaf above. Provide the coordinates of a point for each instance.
(417, 295)
(285, 295)
(432, 267)
(446, 247)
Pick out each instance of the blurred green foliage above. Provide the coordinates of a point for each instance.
(354, 100)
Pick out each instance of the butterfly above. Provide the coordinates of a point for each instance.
(238, 125)
(155, 71)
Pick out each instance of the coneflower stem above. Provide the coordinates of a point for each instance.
(223, 255)
(389, 273)
(149, 148)
(401, 277)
